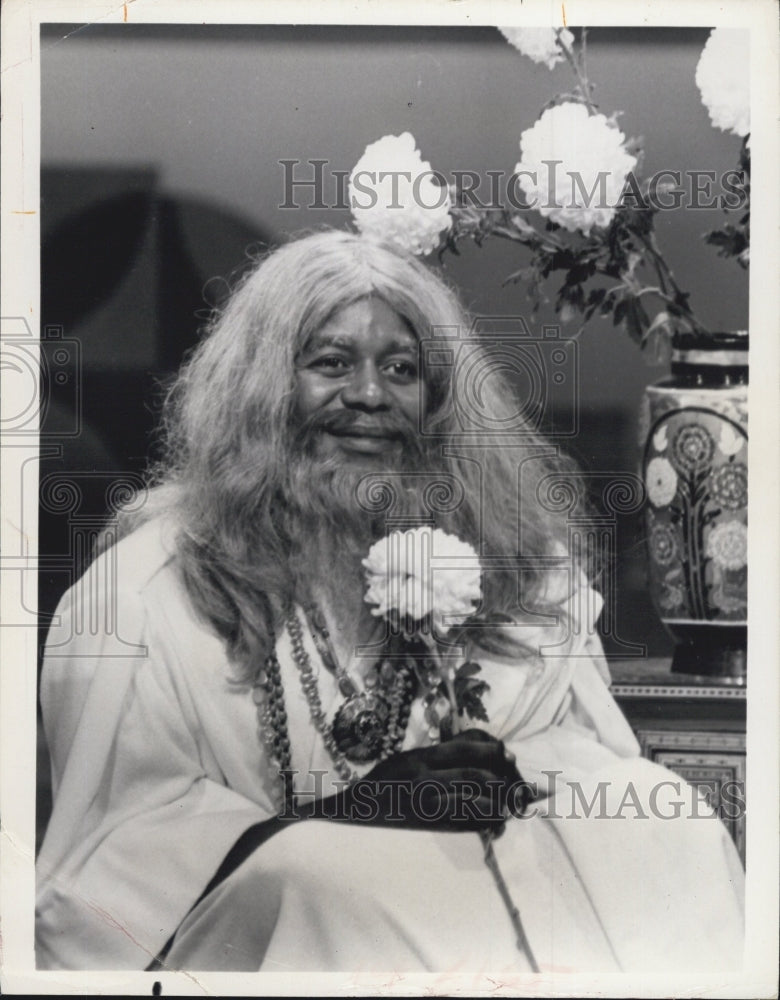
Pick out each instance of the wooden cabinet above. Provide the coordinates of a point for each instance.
(692, 725)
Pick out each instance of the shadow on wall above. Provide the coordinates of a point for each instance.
(128, 277)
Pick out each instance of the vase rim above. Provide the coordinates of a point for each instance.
(722, 340)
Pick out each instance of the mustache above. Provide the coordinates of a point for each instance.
(396, 426)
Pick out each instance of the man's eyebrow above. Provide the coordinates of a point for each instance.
(319, 340)
(399, 345)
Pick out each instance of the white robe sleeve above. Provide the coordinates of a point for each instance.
(141, 820)
(550, 701)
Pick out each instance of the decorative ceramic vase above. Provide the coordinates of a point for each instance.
(695, 472)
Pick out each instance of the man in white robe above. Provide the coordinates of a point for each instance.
(164, 849)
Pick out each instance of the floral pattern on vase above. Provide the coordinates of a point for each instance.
(695, 471)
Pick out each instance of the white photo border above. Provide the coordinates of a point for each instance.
(19, 203)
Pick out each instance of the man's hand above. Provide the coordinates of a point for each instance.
(468, 783)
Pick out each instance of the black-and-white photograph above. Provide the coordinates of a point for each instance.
(376, 491)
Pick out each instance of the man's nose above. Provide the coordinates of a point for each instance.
(366, 389)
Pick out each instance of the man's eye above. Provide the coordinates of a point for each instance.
(403, 369)
(329, 362)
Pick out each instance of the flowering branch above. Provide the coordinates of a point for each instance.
(585, 243)
(599, 236)
(417, 600)
(405, 591)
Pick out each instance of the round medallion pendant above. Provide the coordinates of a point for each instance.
(360, 726)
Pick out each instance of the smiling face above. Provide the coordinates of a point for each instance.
(358, 383)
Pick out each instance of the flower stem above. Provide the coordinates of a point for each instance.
(667, 281)
(514, 914)
(453, 702)
(584, 51)
(582, 80)
(446, 677)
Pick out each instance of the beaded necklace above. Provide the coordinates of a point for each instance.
(369, 725)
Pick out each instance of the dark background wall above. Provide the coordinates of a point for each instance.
(161, 175)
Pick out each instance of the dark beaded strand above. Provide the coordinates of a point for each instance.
(309, 685)
(401, 684)
(400, 707)
(268, 695)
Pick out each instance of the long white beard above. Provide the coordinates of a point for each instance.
(354, 502)
(334, 513)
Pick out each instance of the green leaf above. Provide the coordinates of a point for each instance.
(580, 272)
(469, 691)
(621, 308)
(637, 321)
(467, 669)
(730, 241)
(594, 300)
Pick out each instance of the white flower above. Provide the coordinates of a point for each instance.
(539, 43)
(423, 571)
(661, 482)
(573, 167)
(394, 197)
(727, 544)
(723, 78)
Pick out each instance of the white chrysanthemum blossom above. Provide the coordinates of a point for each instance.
(395, 198)
(539, 44)
(423, 571)
(723, 79)
(573, 167)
